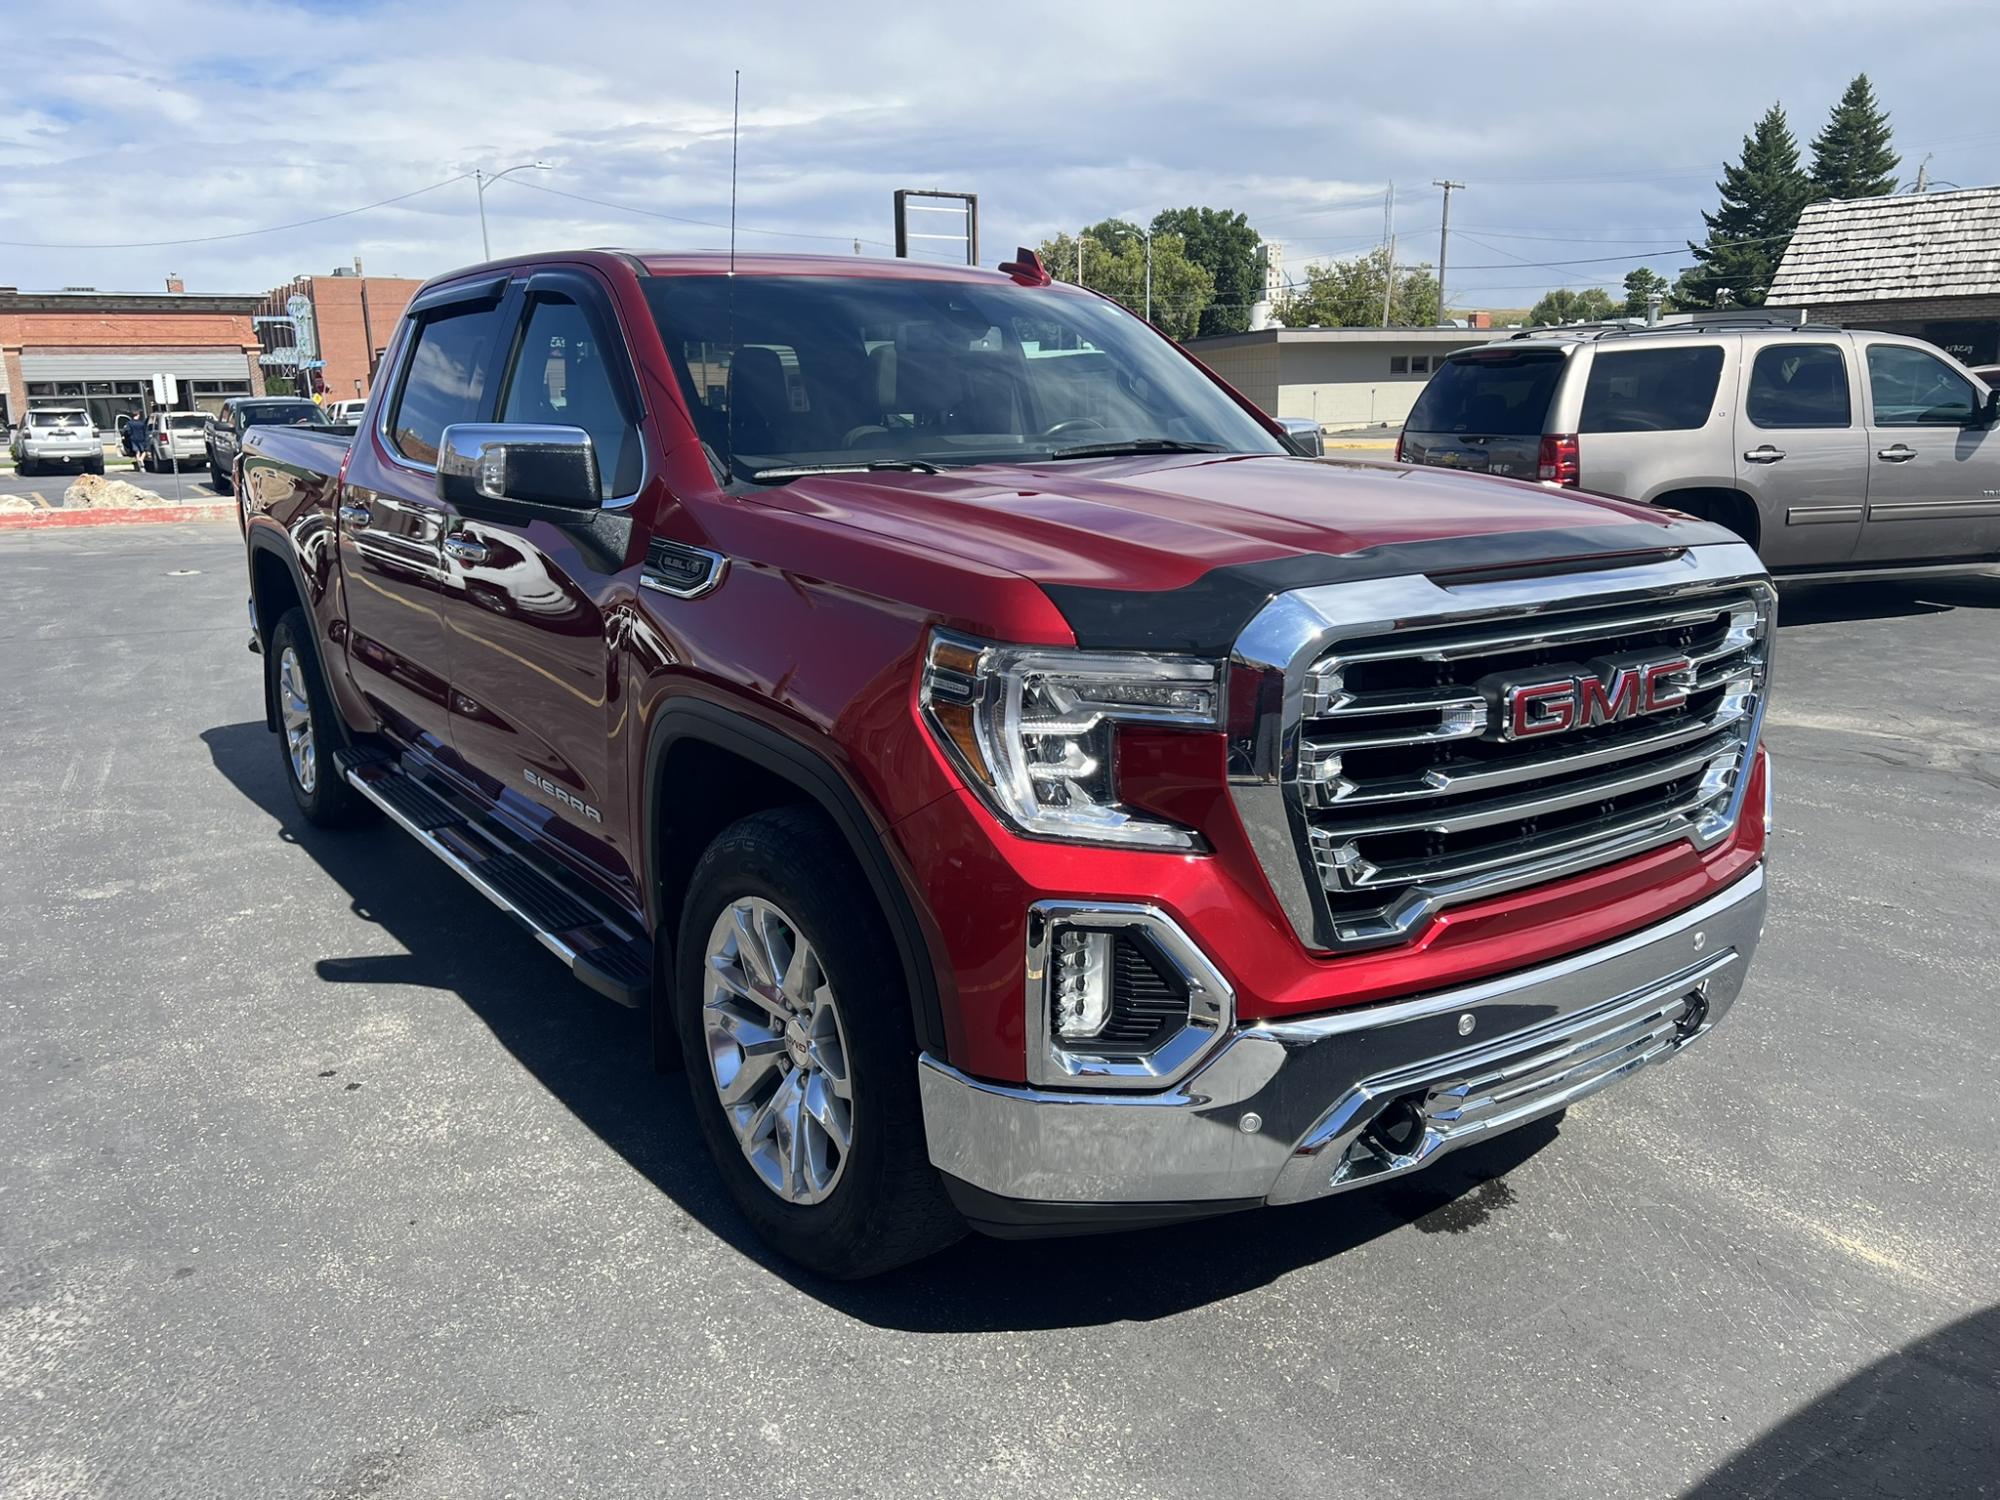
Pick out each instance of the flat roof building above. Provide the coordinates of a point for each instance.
(335, 337)
(1338, 377)
(101, 349)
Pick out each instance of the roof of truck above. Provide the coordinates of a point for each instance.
(717, 263)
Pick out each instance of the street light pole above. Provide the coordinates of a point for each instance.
(481, 178)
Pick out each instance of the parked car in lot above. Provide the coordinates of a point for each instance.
(179, 441)
(345, 413)
(1024, 789)
(222, 435)
(1824, 448)
(57, 437)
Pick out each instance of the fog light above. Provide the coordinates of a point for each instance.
(1083, 983)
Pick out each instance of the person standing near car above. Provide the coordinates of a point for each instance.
(136, 438)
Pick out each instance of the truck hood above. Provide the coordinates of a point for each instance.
(1160, 523)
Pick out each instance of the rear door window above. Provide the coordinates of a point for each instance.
(1490, 395)
(445, 379)
(1798, 385)
(1651, 390)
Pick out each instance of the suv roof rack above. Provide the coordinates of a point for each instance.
(1710, 322)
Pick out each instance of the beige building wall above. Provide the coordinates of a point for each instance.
(1335, 383)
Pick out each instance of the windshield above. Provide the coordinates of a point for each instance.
(851, 371)
(1489, 394)
(281, 413)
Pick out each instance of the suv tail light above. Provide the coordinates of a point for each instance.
(1558, 461)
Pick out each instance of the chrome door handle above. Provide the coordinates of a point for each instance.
(465, 549)
(354, 515)
(1899, 454)
(1764, 455)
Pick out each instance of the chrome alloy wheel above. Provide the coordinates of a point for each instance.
(777, 1051)
(295, 712)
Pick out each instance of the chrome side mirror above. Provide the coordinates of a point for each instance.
(516, 468)
(1304, 435)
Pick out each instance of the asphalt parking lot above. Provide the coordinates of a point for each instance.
(318, 1178)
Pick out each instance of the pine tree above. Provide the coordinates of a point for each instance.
(1851, 158)
(1762, 197)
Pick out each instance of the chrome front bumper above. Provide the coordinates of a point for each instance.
(1287, 1111)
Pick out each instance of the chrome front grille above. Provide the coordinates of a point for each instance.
(1397, 784)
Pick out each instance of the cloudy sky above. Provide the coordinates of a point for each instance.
(1590, 137)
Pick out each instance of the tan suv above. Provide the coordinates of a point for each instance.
(1825, 448)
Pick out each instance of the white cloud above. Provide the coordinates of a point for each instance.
(200, 117)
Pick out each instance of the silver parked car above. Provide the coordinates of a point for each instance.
(1825, 448)
(179, 440)
(57, 436)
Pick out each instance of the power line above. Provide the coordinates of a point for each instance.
(238, 234)
(650, 213)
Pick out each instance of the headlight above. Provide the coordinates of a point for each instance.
(1033, 729)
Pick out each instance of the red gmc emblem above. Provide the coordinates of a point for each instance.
(1602, 693)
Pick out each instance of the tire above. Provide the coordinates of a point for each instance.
(25, 467)
(219, 481)
(95, 465)
(847, 1213)
(308, 731)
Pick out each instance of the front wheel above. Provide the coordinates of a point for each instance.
(307, 734)
(802, 1057)
(218, 480)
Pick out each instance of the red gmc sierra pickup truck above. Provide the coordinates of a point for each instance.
(1025, 791)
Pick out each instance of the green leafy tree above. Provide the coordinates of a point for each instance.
(1762, 197)
(1114, 263)
(1566, 305)
(1348, 294)
(1640, 286)
(1222, 243)
(1852, 158)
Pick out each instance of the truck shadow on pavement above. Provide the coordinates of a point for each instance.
(595, 1058)
(1919, 1421)
(1801, 601)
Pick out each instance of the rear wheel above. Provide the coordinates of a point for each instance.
(307, 730)
(218, 480)
(95, 465)
(25, 467)
(801, 1055)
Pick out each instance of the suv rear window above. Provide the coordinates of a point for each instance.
(1651, 390)
(1491, 394)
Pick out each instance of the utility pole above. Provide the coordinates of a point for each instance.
(1444, 240)
(1389, 249)
(1149, 276)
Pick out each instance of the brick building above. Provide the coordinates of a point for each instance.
(102, 348)
(347, 323)
(1923, 264)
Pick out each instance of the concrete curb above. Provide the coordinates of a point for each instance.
(29, 520)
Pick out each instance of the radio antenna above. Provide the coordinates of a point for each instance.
(729, 416)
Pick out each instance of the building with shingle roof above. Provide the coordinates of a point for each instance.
(1925, 264)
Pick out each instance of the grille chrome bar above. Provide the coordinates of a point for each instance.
(1383, 790)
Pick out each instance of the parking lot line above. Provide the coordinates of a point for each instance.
(39, 500)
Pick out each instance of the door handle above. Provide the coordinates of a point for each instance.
(354, 515)
(1899, 454)
(1764, 455)
(465, 549)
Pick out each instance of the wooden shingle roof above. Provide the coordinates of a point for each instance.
(1885, 249)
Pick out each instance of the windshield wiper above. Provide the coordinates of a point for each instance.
(800, 471)
(1136, 445)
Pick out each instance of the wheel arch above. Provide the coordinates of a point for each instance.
(276, 585)
(708, 765)
(1726, 507)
